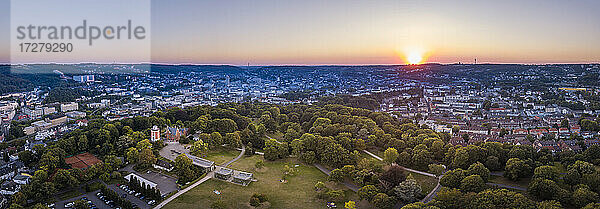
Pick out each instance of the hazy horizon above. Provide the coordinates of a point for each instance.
(382, 32)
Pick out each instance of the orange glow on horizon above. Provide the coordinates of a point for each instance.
(414, 56)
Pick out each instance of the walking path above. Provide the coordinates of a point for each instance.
(507, 186)
(172, 197)
(206, 178)
(350, 186)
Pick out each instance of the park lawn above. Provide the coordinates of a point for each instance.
(427, 183)
(220, 155)
(523, 182)
(277, 135)
(298, 192)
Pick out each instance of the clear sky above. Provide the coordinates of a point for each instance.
(264, 32)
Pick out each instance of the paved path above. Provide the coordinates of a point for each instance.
(350, 186)
(172, 197)
(236, 158)
(497, 173)
(507, 186)
(206, 178)
(433, 192)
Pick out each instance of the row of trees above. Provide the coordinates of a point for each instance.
(142, 187)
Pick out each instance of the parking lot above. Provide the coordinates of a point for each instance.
(135, 200)
(166, 184)
(90, 196)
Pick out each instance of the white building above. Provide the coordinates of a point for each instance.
(69, 107)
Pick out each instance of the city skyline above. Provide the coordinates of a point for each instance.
(360, 33)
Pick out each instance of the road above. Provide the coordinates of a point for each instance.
(206, 178)
(350, 186)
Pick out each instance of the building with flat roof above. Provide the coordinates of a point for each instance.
(223, 173)
(242, 178)
(141, 180)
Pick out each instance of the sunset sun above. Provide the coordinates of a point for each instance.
(414, 58)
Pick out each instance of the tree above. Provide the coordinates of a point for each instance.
(350, 205)
(493, 163)
(64, 179)
(15, 206)
(392, 176)
(419, 205)
(132, 155)
(421, 158)
(19, 198)
(499, 199)
(592, 154)
(436, 169)
(382, 200)
(335, 195)
(472, 183)
(40, 206)
(453, 178)
(147, 158)
(390, 155)
(26, 156)
(544, 189)
(592, 206)
(183, 168)
(144, 144)
(451, 198)
(271, 153)
(516, 168)
(198, 147)
(216, 139)
(408, 191)
(367, 192)
(336, 175)
(546, 172)
(583, 196)
(112, 162)
(582, 167)
(549, 204)
(479, 169)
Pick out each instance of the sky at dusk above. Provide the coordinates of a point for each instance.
(313, 32)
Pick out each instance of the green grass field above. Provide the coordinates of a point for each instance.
(298, 192)
(220, 155)
(427, 183)
(523, 182)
